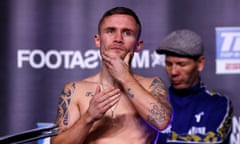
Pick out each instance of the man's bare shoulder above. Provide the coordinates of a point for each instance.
(84, 87)
(87, 81)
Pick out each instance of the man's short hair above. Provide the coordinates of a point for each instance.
(124, 11)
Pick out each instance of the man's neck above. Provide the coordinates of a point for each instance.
(106, 80)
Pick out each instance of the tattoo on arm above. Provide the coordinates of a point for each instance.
(63, 104)
(159, 114)
(129, 93)
(158, 88)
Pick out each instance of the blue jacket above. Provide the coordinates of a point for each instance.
(199, 116)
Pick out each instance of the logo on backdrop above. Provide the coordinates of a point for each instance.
(71, 59)
(228, 50)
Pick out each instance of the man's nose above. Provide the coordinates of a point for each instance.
(118, 37)
(174, 70)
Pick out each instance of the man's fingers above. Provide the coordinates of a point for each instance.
(107, 94)
(97, 90)
(127, 58)
(108, 99)
(111, 102)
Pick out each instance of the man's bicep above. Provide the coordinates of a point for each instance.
(66, 107)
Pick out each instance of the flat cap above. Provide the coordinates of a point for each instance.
(183, 43)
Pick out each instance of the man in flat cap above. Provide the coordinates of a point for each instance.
(199, 115)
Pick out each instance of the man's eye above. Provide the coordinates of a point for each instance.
(182, 64)
(127, 33)
(110, 31)
(168, 64)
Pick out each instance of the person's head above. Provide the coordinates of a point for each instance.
(121, 11)
(184, 57)
(119, 31)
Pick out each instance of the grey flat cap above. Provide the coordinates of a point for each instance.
(182, 42)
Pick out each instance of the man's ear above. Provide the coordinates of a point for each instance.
(201, 63)
(97, 40)
(138, 45)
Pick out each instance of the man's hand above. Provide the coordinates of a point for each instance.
(101, 102)
(118, 67)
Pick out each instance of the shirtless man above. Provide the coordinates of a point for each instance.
(115, 106)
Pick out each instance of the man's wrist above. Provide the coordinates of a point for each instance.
(88, 118)
(129, 78)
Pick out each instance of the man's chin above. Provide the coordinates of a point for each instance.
(179, 86)
(117, 53)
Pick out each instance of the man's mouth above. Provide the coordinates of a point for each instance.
(176, 82)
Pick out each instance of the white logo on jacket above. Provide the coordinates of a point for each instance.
(198, 130)
(199, 116)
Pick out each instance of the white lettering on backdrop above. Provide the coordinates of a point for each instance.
(70, 59)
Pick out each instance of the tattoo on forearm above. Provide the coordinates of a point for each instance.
(63, 105)
(129, 93)
(158, 88)
(157, 115)
(159, 112)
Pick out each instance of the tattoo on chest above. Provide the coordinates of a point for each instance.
(89, 94)
(63, 104)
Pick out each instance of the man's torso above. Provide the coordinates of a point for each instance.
(121, 124)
